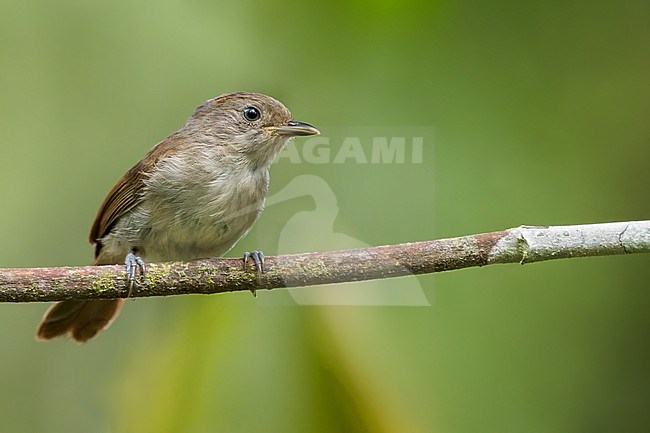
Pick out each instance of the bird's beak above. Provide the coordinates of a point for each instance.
(293, 128)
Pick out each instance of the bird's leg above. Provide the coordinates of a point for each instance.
(133, 263)
(258, 260)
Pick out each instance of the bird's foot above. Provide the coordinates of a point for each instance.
(258, 261)
(133, 263)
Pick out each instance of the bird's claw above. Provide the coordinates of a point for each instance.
(133, 263)
(258, 260)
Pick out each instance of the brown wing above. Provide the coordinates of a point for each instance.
(126, 193)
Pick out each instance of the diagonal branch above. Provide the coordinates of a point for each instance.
(518, 245)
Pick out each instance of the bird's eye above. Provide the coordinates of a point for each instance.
(251, 114)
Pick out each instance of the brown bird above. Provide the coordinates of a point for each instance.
(194, 195)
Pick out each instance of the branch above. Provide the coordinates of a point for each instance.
(518, 245)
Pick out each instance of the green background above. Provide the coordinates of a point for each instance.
(540, 112)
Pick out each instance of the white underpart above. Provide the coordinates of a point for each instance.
(202, 205)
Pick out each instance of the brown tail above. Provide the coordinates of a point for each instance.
(81, 319)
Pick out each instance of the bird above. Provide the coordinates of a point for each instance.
(194, 195)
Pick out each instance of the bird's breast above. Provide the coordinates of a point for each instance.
(193, 210)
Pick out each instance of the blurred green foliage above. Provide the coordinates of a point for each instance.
(540, 112)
